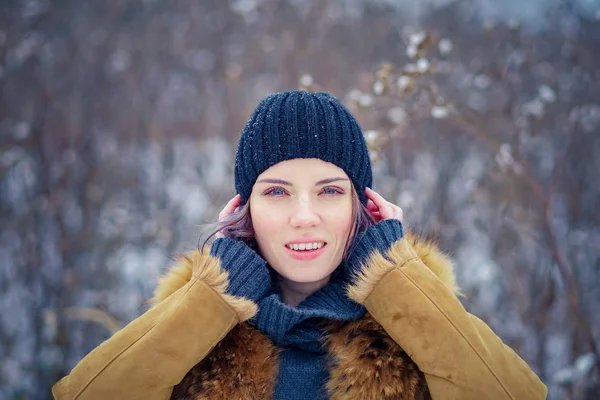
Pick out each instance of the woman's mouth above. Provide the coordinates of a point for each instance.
(305, 246)
(305, 251)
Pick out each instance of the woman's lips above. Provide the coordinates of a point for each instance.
(305, 255)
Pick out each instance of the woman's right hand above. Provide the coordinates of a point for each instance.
(248, 274)
(231, 207)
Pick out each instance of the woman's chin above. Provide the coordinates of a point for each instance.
(306, 277)
(305, 272)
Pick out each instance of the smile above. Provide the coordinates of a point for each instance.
(305, 246)
(305, 251)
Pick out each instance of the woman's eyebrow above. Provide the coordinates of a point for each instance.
(329, 180)
(275, 181)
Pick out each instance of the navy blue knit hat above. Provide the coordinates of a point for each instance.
(301, 124)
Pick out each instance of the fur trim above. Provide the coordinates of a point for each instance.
(243, 365)
(206, 268)
(365, 363)
(408, 248)
(368, 364)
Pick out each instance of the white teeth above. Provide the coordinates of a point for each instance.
(306, 246)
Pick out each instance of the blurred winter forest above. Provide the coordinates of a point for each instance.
(118, 122)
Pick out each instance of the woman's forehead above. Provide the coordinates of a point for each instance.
(312, 167)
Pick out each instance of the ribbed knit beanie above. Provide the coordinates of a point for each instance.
(301, 124)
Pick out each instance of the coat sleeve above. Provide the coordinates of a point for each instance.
(459, 354)
(153, 353)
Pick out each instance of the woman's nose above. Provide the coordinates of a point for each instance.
(304, 215)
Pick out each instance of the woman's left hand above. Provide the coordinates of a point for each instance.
(380, 236)
(380, 208)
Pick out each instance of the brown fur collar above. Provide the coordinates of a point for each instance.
(241, 366)
(365, 362)
(368, 364)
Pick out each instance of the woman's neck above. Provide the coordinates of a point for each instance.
(294, 293)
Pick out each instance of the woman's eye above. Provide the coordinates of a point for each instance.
(332, 191)
(275, 192)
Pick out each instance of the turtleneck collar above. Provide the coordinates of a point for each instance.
(300, 326)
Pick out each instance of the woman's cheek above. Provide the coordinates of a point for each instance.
(341, 215)
(266, 225)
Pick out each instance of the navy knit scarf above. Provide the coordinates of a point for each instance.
(299, 326)
(297, 331)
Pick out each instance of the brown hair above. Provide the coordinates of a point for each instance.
(238, 226)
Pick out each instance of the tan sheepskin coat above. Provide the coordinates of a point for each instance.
(415, 342)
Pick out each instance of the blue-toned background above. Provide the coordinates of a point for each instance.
(118, 121)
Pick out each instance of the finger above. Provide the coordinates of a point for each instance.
(387, 210)
(230, 206)
(377, 218)
(374, 202)
(371, 206)
(375, 197)
(385, 207)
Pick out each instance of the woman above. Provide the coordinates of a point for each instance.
(310, 290)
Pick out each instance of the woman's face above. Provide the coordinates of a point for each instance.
(302, 215)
